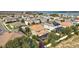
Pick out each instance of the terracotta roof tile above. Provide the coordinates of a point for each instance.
(39, 29)
(67, 24)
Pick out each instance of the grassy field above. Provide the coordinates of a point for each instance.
(72, 42)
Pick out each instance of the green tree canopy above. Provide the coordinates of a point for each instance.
(52, 37)
(54, 15)
(22, 42)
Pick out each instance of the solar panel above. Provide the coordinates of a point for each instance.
(55, 24)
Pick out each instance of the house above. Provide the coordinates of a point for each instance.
(37, 21)
(66, 24)
(51, 26)
(56, 18)
(43, 20)
(32, 20)
(10, 19)
(29, 21)
(31, 16)
(23, 28)
(26, 23)
(77, 20)
(38, 29)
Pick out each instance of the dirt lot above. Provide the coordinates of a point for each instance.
(72, 42)
(5, 37)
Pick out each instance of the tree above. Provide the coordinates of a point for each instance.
(29, 24)
(16, 43)
(39, 20)
(27, 31)
(54, 15)
(75, 29)
(12, 15)
(40, 13)
(52, 37)
(47, 20)
(20, 29)
(66, 31)
(33, 23)
(33, 43)
(22, 21)
(35, 40)
(35, 37)
(22, 42)
(77, 25)
(62, 20)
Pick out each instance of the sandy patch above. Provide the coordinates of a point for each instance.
(6, 36)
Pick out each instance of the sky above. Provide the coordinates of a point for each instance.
(43, 5)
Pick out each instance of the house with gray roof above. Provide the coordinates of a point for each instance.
(10, 19)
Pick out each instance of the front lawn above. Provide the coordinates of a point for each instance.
(9, 27)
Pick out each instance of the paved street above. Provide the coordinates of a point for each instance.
(2, 26)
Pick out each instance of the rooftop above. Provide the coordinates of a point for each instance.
(39, 29)
(66, 23)
(77, 19)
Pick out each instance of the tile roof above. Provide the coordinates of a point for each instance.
(39, 29)
(41, 32)
(77, 19)
(67, 24)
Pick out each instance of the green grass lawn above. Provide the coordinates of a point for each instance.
(9, 26)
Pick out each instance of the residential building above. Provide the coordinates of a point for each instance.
(51, 26)
(66, 24)
(38, 29)
(77, 20)
(10, 19)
